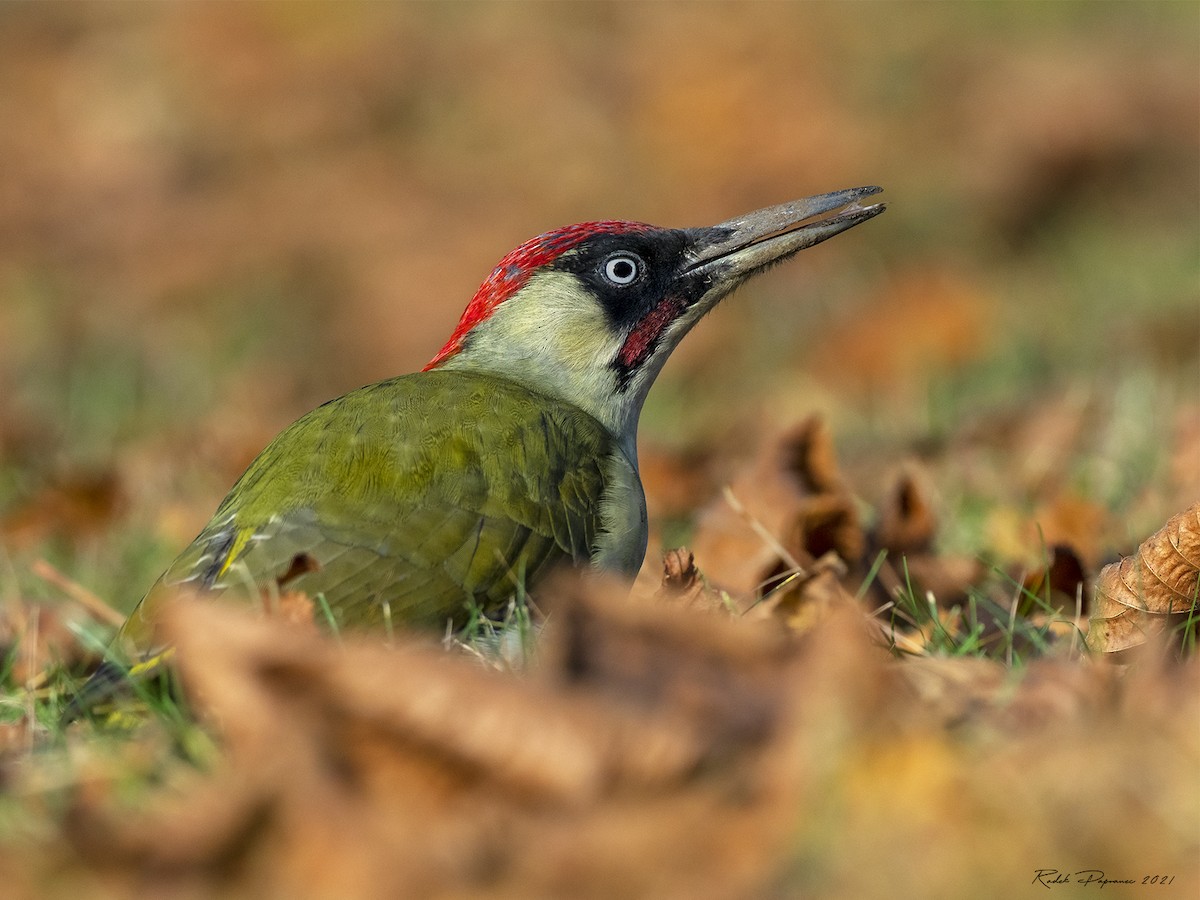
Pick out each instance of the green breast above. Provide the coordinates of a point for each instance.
(413, 498)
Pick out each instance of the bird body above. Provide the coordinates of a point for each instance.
(404, 512)
(421, 497)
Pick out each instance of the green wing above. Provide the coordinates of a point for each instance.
(408, 512)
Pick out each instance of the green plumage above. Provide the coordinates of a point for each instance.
(418, 495)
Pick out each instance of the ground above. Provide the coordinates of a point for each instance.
(901, 462)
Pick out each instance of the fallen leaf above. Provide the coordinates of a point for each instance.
(1060, 584)
(907, 521)
(368, 771)
(1068, 520)
(784, 510)
(1151, 591)
(801, 600)
(683, 584)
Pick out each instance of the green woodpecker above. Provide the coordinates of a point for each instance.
(414, 499)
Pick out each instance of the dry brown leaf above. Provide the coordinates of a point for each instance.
(729, 539)
(1060, 584)
(1072, 521)
(907, 521)
(375, 772)
(946, 578)
(827, 518)
(679, 570)
(660, 752)
(826, 523)
(786, 509)
(808, 453)
(682, 584)
(1151, 591)
(801, 600)
(737, 535)
(906, 529)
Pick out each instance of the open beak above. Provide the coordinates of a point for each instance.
(740, 247)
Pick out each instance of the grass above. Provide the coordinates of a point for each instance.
(508, 643)
(1027, 626)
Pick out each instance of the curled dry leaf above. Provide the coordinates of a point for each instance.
(803, 599)
(786, 509)
(907, 521)
(807, 453)
(906, 529)
(1060, 584)
(826, 518)
(826, 523)
(1069, 520)
(679, 571)
(1154, 589)
(682, 584)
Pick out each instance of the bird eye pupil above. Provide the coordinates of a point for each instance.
(621, 269)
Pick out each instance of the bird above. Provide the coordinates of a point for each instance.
(419, 498)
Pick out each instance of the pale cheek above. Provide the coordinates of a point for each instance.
(585, 344)
(566, 325)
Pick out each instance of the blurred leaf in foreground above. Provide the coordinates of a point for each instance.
(657, 750)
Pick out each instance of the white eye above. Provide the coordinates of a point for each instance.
(622, 268)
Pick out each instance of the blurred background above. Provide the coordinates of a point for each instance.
(215, 216)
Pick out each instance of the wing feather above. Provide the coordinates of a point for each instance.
(400, 504)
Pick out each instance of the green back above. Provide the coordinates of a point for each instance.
(413, 497)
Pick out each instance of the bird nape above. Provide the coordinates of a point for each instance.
(417, 499)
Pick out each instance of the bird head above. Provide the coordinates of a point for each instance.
(589, 313)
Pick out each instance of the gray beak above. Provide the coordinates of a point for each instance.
(740, 247)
